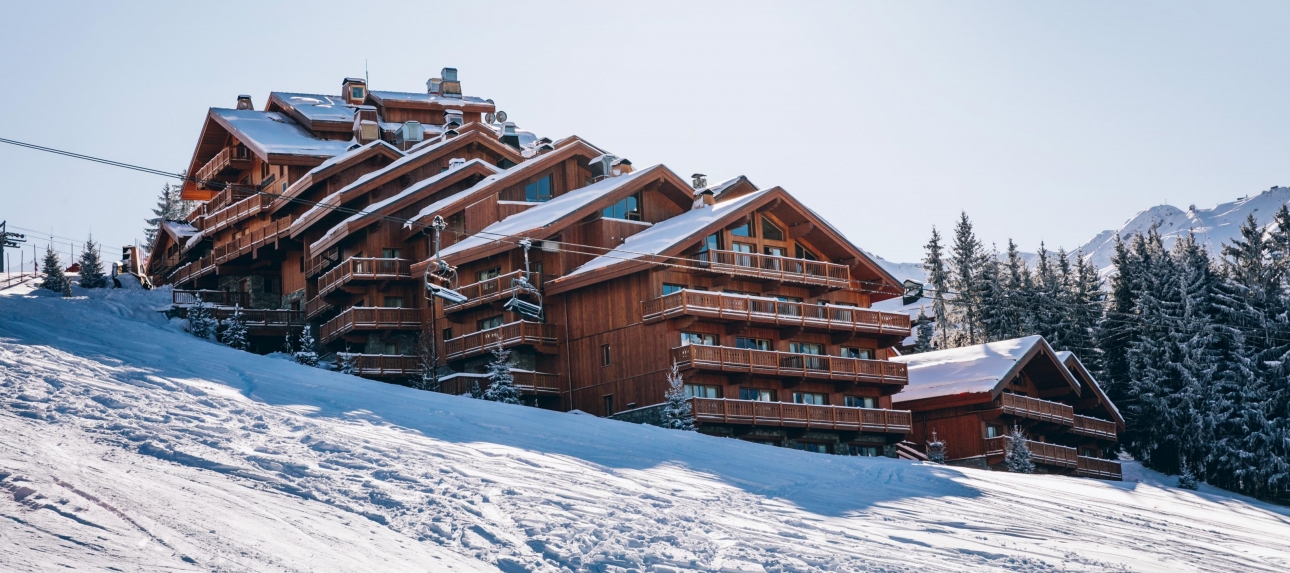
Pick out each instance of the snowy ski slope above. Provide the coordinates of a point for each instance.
(129, 445)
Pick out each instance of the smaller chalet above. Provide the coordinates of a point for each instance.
(971, 397)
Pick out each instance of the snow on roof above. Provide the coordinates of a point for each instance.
(429, 98)
(276, 133)
(1065, 355)
(414, 188)
(351, 153)
(544, 214)
(317, 107)
(965, 370)
(718, 188)
(665, 234)
(180, 229)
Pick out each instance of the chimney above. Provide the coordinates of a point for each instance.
(703, 199)
(453, 118)
(432, 85)
(354, 90)
(409, 134)
(699, 181)
(450, 87)
(620, 166)
(456, 163)
(508, 135)
(244, 102)
(603, 166)
(366, 129)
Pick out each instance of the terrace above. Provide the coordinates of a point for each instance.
(518, 333)
(790, 365)
(773, 268)
(1040, 452)
(755, 413)
(1036, 409)
(370, 318)
(490, 290)
(775, 313)
(1098, 468)
(358, 269)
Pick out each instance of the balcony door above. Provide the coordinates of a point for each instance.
(744, 252)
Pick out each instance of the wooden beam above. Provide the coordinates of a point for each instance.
(800, 229)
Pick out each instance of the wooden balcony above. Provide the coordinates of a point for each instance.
(320, 263)
(210, 297)
(1098, 468)
(790, 365)
(235, 213)
(754, 413)
(489, 290)
(1036, 409)
(192, 271)
(355, 269)
(1040, 452)
(232, 249)
(517, 333)
(1095, 428)
(775, 313)
(262, 318)
(370, 318)
(384, 365)
(773, 268)
(528, 383)
(237, 157)
(317, 306)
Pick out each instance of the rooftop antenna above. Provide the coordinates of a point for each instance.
(367, 79)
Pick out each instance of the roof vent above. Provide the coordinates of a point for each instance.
(703, 199)
(699, 181)
(450, 86)
(602, 166)
(509, 136)
(354, 90)
(432, 86)
(620, 166)
(244, 102)
(453, 118)
(456, 163)
(409, 133)
(366, 129)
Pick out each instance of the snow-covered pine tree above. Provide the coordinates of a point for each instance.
(200, 321)
(1087, 301)
(475, 392)
(923, 333)
(235, 333)
(1187, 479)
(501, 384)
(346, 362)
(169, 208)
(677, 414)
(938, 279)
(427, 355)
(936, 449)
(1116, 331)
(92, 275)
(1046, 308)
(306, 348)
(54, 278)
(993, 300)
(967, 257)
(286, 345)
(1015, 319)
(67, 288)
(1017, 454)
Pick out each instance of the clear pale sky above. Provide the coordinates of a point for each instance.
(1043, 120)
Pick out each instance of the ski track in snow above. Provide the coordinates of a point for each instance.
(132, 446)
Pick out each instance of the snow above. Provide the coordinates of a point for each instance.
(133, 446)
(666, 234)
(319, 107)
(544, 214)
(1065, 355)
(276, 133)
(428, 98)
(963, 370)
(180, 229)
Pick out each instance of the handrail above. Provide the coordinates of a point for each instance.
(210, 297)
(369, 318)
(316, 306)
(490, 289)
(526, 382)
(757, 413)
(1098, 468)
(506, 335)
(789, 364)
(1036, 409)
(384, 364)
(1040, 452)
(362, 268)
(774, 267)
(256, 238)
(221, 160)
(1095, 427)
(319, 263)
(771, 311)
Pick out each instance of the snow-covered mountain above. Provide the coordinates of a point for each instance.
(129, 445)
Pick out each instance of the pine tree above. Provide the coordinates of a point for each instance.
(501, 384)
(938, 279)
(1117, 330)
(1017, 456)
(286, 345)
(1015, 318)
(967, 257)
(67, 288)
(307, 352)
(427, 355)
(1187, 479)
(200, 321)
(677, 414)
(475, 392)
(924, 333)
(1087, 301)
(235, 332)
(92, 275)
(169, 208)
(992, 297)
(347, 365)
(936, 449)
(54, 279)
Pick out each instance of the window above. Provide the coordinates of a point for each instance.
(752, 343)
(813, 447)
(392, 348)
(992, 431)
(272, 285)
(688, 338)
(806, 348)
(862, 402)
(609, 404)
(490, 322)
(488, 274)
(629, 208)
(669, 288)
(775, 251)
(866, 451)
(804, 253)
(604, 355)
(391, 253)
(712, 243)
(757, 394)
(810, 398)
(457, 221)
(770, 232)
(356, 92)
(1089, 453)
(743, 248)
(447, 334)
(861, 353)
(702, 391)
(744, 230)
(538, 191)
(394, 302)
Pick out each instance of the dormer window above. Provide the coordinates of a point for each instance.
(357, 92)
(538, 191)
(629, 208)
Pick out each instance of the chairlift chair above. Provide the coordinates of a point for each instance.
(440, 277)
(522, 284)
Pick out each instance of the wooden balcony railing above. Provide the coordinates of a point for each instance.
(1095, 428)
(381, 365)
(771, 312)
(1040, 452)
(771, 267)
(262, 317)
(210, 297)
(362, 269)
(239, 211)
(236, 157)
(754, 413)
(528, 383)
(316, 306)
(1036, 409)
(1098, 468)
(489, 290)
(507, 335)
(370, 318)
(192, 271)
(233, 249)
(322, 262)
(788, 364)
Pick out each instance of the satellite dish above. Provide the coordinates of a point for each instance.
(501, 116)
(490, 101)
(488, 118)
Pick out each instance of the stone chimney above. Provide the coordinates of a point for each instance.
(244, 102)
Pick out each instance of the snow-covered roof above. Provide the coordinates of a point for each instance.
(719, 188)
(1066, 355)
(544, 214)
(316, 107)
(429, 98)
(180, 229)
(666, 234)
(966, 370)
(275, 133)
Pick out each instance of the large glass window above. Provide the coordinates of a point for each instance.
(391, 253)
(861, 353)
(744, 230)
(769, 231)
(862, 401)
(538, 191)
(701, 391)
(628, 208)
(688, 338)
(394, 302)
(757, 394)
(490, 322)
(804, 253)
(752, 343)
(812, 447)
(806, 348)
(488, 274)
(712, 243)
(810, 398)
(669, 288)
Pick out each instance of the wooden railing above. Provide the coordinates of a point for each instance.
(1040, 452)
(384, 364)
(262, 317)
(769, 311)
(772, 267)
(257, 238)
(788, 364)
(356, 269)
(239, 211)
(317, 306)
(755, 413)
(528, 383)
(507, 335)
(237, 156)
(210, 297)
(192, 271)
(370, 318)
(1098, 468)
(489, 290)
(1095, 428)
(321, 262)
(1036, 409)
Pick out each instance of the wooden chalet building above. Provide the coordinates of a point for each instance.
(971, 397)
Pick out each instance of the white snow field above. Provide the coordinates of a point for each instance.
(129, 445)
